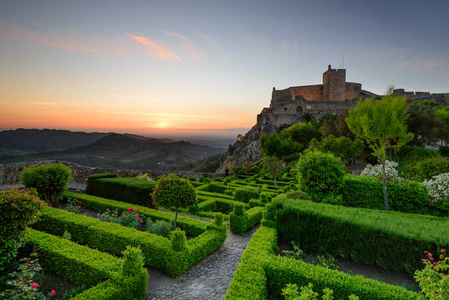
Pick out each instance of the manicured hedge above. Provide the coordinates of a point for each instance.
(261, 273)
(249, 281)
(408, 197)
(213, 187)
(240, 222)
(130, 190)
(114, 238)
(82, 265)
(281, 270)
(214, 195)
(244, 194)
(92, 178)
(190, 226)
(391, 240)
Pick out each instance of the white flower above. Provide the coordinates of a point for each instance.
(376, 171)
(438, 187)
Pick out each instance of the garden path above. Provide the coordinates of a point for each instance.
(209, 279)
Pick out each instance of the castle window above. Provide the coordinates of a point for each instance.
(299, 109)
(285, 108)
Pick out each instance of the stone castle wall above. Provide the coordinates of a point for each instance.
(334, 82)
(10, 173)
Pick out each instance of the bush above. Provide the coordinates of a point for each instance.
(438, 187)
(407, 157)
(214, 187)
(178, 240)
(444, 150)
(18, 209)
(92, 178)
(321, 176)
(298, 195)
(50, 180)
(429, 167)
(161, 228)
(376, 171)
(244, 194)
(129, 190)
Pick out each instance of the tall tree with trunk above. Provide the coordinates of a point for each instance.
(382, 124)
(172, 191)
(273, 166)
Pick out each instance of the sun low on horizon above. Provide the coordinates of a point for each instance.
(176, 67)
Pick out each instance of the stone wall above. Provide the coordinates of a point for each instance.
(10, 173)
(334, 81)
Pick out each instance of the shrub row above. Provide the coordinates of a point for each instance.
(215, 195)
(392, 240)
(216, 205)
(82, 265)
(249, 281)
(261, 273)
(244, 194)
(130, 190)
(408, 197)
(190, 226)
(114, 238)
(213, 187)
(281, 270)
(240, 221)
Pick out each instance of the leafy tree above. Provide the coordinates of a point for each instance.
(342, 147)
(383, 125)
(274, 167)
(273, 145)
(424, 124)
(321, 176)
(172, 191)
(301, 132)
(50, 180)
(443, 114)
(337, 126)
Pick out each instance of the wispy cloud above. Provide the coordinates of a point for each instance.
(174, 34)
(402, 65)
(217, 45)
(156, 48)
(54, 103)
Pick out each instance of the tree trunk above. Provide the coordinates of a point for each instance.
(275, 183)
(384, 177)
(176, 216)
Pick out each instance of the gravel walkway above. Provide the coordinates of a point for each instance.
(209, 279)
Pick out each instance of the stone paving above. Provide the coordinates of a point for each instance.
(209, 279)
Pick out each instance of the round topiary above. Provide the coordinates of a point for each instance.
(321, 176)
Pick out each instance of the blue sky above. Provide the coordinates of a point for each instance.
(166, 67)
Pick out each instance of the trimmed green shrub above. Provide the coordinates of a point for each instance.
(161, 228)
(298, 195)
(174, 191)
(214, 187)
(218, 219)
(407, 196)
(240, 220)
(321, 176)
(244, 194)
(129, 190)
(256, 202)
(18, 209)
(391, 240)
(92, 178)
(429, 167)
(50, 180)
(178, 240)
(214, 195)
(249, 280)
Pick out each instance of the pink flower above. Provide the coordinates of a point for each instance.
(138, 209)
(115, 212)
(35, 285)
(98, 215)
(140, 220)
(144, 210)
(123, 215)
(107, 209)
(53, 292)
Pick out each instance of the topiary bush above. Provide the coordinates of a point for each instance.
(18, 209)
(172, 191)
(320, 175)
(244, 194)
(50, 180)
(178, 240)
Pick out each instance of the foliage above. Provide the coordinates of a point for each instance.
(296, 253)
(244, 194)
(438, 187)
(365, 235)
(129, 190)
(376, 171)
(407, 157)
(424, 124)
(321, 176)
(290, 292)
(444, 150)
(298, 195)
(240, 220)
(178, 240)
(407, 196)
(218, 219)
(18, 209)
(174, 191)
(301, 133)
(382, 125)
(443, 114)
(434, 278)
(50, 180)
(161, 228)
(130, 218)
(342, 147)
(326, 261)
(73, 205)
(144, 176)
(273, 145)
(273, 167)
(429, 167)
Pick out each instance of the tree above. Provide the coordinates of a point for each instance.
(174, 191)
(273, 145)
(342, 147)
(424, 124)
(383, 125)
(443, 114)
(273, 167)
(301, 132)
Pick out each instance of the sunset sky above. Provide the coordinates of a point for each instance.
(171, 67)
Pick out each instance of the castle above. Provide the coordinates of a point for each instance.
(334, 96)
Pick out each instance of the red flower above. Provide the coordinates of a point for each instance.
(35, 285)
(53, 292)
(140, 220)
(79, 202)
(443, 250)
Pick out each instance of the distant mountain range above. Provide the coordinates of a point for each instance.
(101, 150)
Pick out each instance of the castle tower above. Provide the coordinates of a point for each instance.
(334, 84)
